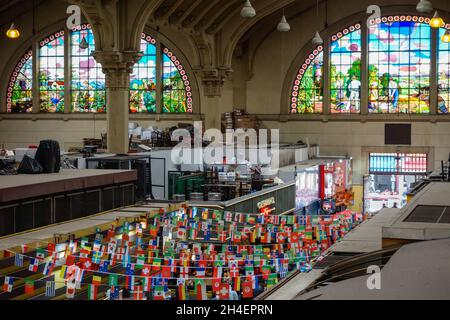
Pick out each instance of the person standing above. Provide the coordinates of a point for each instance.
(393, 93)
(355, 89)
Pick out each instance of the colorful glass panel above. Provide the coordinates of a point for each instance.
(88, 80)
(345, 70)
(443, 74)
(177, 96)
(51, 73)
(399, 65)
(19, 97)
(307, 93)
(143, 79)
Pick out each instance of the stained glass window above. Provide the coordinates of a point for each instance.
(443, 75)
(177, 96)
(307, 93)
(143, 79)
(51, 73)
(345, 70)
(399, 65)
(19, 96)
(88, 80)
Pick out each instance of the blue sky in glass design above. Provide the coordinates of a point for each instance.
(401, 48)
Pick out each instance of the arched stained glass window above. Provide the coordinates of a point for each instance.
(88, 80)
(307, 93)
(443, 75)
(399, 65)
(51, 73)
(19, 97)
(399, 70)
(345, 70)
(143, 79)
(177, 95)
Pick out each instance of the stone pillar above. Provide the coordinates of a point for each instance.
(117, 67)
(213, 81)
(213, 92)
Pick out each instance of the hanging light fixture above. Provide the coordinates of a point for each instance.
(317, 40)
(283, 26)
(13, 32)
(248, 11)
(424, 6)
(446, 37)
(84, 44)
(437, 21)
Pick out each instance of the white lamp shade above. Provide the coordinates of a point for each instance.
(424, 6)
(283, 26)
(317, 40)
(248, 11)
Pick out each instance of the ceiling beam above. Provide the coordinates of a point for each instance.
(202, 13)
(172, 9)
(188, 12)
(217, 15)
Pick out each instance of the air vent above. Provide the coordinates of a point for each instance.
(429, 214)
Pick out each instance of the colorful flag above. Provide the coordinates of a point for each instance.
(8, 284)
(34, 264)
(70, 290)
(181, 289)
(29, 286)
(92, 292)
(50, 288)
(18, 260)
(138, 293)
(96, 280)
(113, 279)
(247, 289)
(200, 290)
(40, 253)
(48, 269)
(224, 291)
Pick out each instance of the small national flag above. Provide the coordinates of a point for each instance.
(18, 260)
(8, 284)
(224, 291)
(247, 289)
(200, 289)
(114, 295)
(34, 264)
(138, 293)
(181, 289)
(113, 280)
(48, 269)
(158, 293)
(96, 280)
(70, 290)
(29, 286)
(40, 253)
(50, 288)
(92, 292)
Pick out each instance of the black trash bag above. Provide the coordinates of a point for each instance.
(29, 166)
(49, 156)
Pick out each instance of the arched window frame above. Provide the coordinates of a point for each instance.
(181, 63)
(293, 76)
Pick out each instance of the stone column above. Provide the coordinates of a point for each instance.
(213, 92)
(117, 67)
(213, 81)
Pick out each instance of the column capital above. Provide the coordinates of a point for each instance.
(213, 80)
(117, 67)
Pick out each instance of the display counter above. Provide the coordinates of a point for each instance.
(279, 199)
